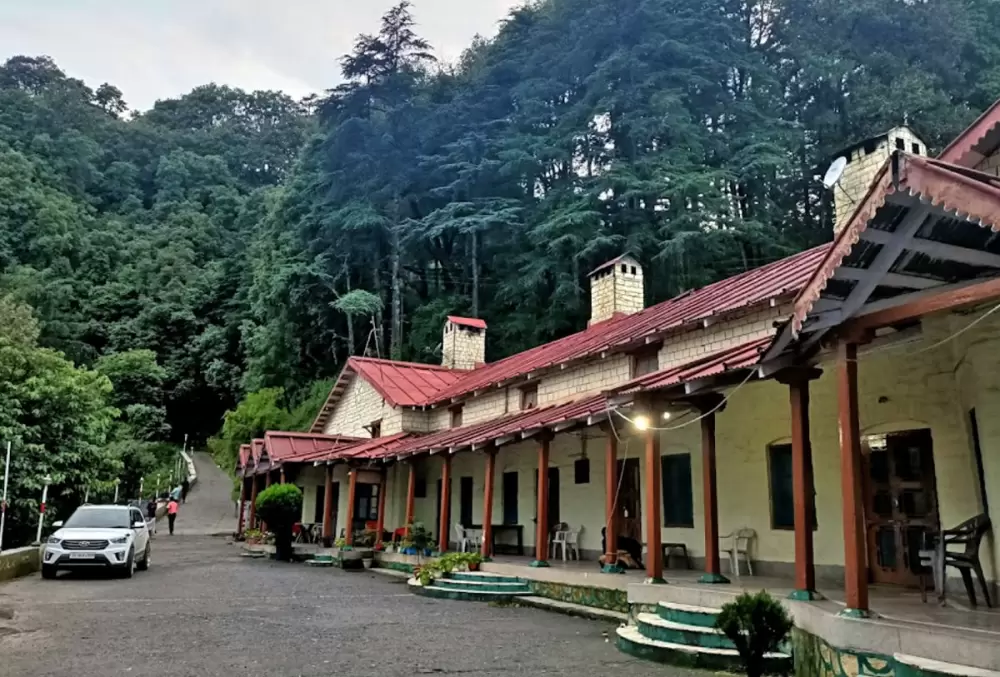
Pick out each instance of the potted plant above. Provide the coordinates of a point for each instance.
(406, 547)
(421, 539)
(253, 536)
(341, 544)
(473, 560)
(280, 505)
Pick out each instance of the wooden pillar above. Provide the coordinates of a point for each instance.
(797, 381)
(855, 564)
(411, 497)
(281, 476)
(380, 522)
(654, 487)
(253, 501)
(611, 565)
(328, 508)
(243, 499)
(542, 512)
(443, 524)
(710, 489)
(491, 460)
(352, 485)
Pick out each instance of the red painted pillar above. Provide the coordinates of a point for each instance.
(267, 483)
(491, 460)
(281, 477)
(443, 525)
(380, 522)
(243, 499)
(411, 496)
(328, 508)
(654, 487)
(542, 512)
(713, 574)
(855, 557)
(352, 486)
(611, 502)
(253, 501)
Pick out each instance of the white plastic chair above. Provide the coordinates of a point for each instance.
(736, 543)
(568, 540)
(463, 538)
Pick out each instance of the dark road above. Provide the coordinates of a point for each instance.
(202, 611)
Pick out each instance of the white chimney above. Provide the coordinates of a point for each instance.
(464, 343)
(616, 288)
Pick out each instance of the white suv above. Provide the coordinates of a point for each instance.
(99, 536)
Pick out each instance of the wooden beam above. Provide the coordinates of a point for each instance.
(885, 259)
(964, 295)
(938, 250)
(487, 544)
(889, 279)
(855, 559)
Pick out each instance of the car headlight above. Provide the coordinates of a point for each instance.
(120, 541)
(54, 541)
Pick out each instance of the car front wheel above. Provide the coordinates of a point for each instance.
(129, 568)
(48, 571)
(144, 564)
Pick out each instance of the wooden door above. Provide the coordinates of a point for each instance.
(437, 514)
(900, 503)
(465, 485)
(629, 500)
(553, 502)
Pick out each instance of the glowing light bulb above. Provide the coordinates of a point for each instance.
(666, 416)
(641, 423)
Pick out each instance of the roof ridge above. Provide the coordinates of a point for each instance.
(402, 363)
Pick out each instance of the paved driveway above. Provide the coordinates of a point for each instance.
(202, 611)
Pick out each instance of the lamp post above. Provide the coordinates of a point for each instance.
(117, 482)
(41, 508)
(156, 494)
(141, 480)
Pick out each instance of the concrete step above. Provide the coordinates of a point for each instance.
(457, 594)
(915, 666)
(634, 643)
(513, 587)
(687, 614)
(571, 609)
(656, 627)
(482, 577)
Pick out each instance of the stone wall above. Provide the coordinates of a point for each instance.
(360, 406)
(613, 290)
(19, 562)
(463, 347)
(863, 166)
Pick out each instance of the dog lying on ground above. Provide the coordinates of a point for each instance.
(631, 548)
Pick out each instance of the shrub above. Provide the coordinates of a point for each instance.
(280, 505)
(757, 624)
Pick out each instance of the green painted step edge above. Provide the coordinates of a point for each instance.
(701, 619)
(674, 636)
(705, 661)
(483, 578)
(512, 588)
(460, 595)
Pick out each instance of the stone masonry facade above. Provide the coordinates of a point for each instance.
(616, 289)
(463, 347)
(863, 165)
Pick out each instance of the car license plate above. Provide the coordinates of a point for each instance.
(81, 555)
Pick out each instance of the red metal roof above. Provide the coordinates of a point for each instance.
(402, 384)
(243, 457)
(256, 449)
(962, 151)
(738, 357)
(473, 322)
(775, 280)
(289, 446)
(608, 264)
(958, 190)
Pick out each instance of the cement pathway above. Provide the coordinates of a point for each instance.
(209, 510)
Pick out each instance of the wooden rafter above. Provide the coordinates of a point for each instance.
(965, 295)
(938, 250)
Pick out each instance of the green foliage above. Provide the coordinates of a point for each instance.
(359, 303)
(280, 505)
(446, 563)
(757, 624)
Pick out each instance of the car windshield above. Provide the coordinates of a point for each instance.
(99, 518)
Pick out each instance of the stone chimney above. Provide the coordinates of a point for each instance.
(616, 288)
(464, 343)
(864, 159)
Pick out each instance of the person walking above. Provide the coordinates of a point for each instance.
(185, 486)
(172, 508)
(151, 515)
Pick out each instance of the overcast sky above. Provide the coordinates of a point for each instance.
(155, 49)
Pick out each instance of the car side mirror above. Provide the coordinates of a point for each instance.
(58, 524)
(138, 525)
